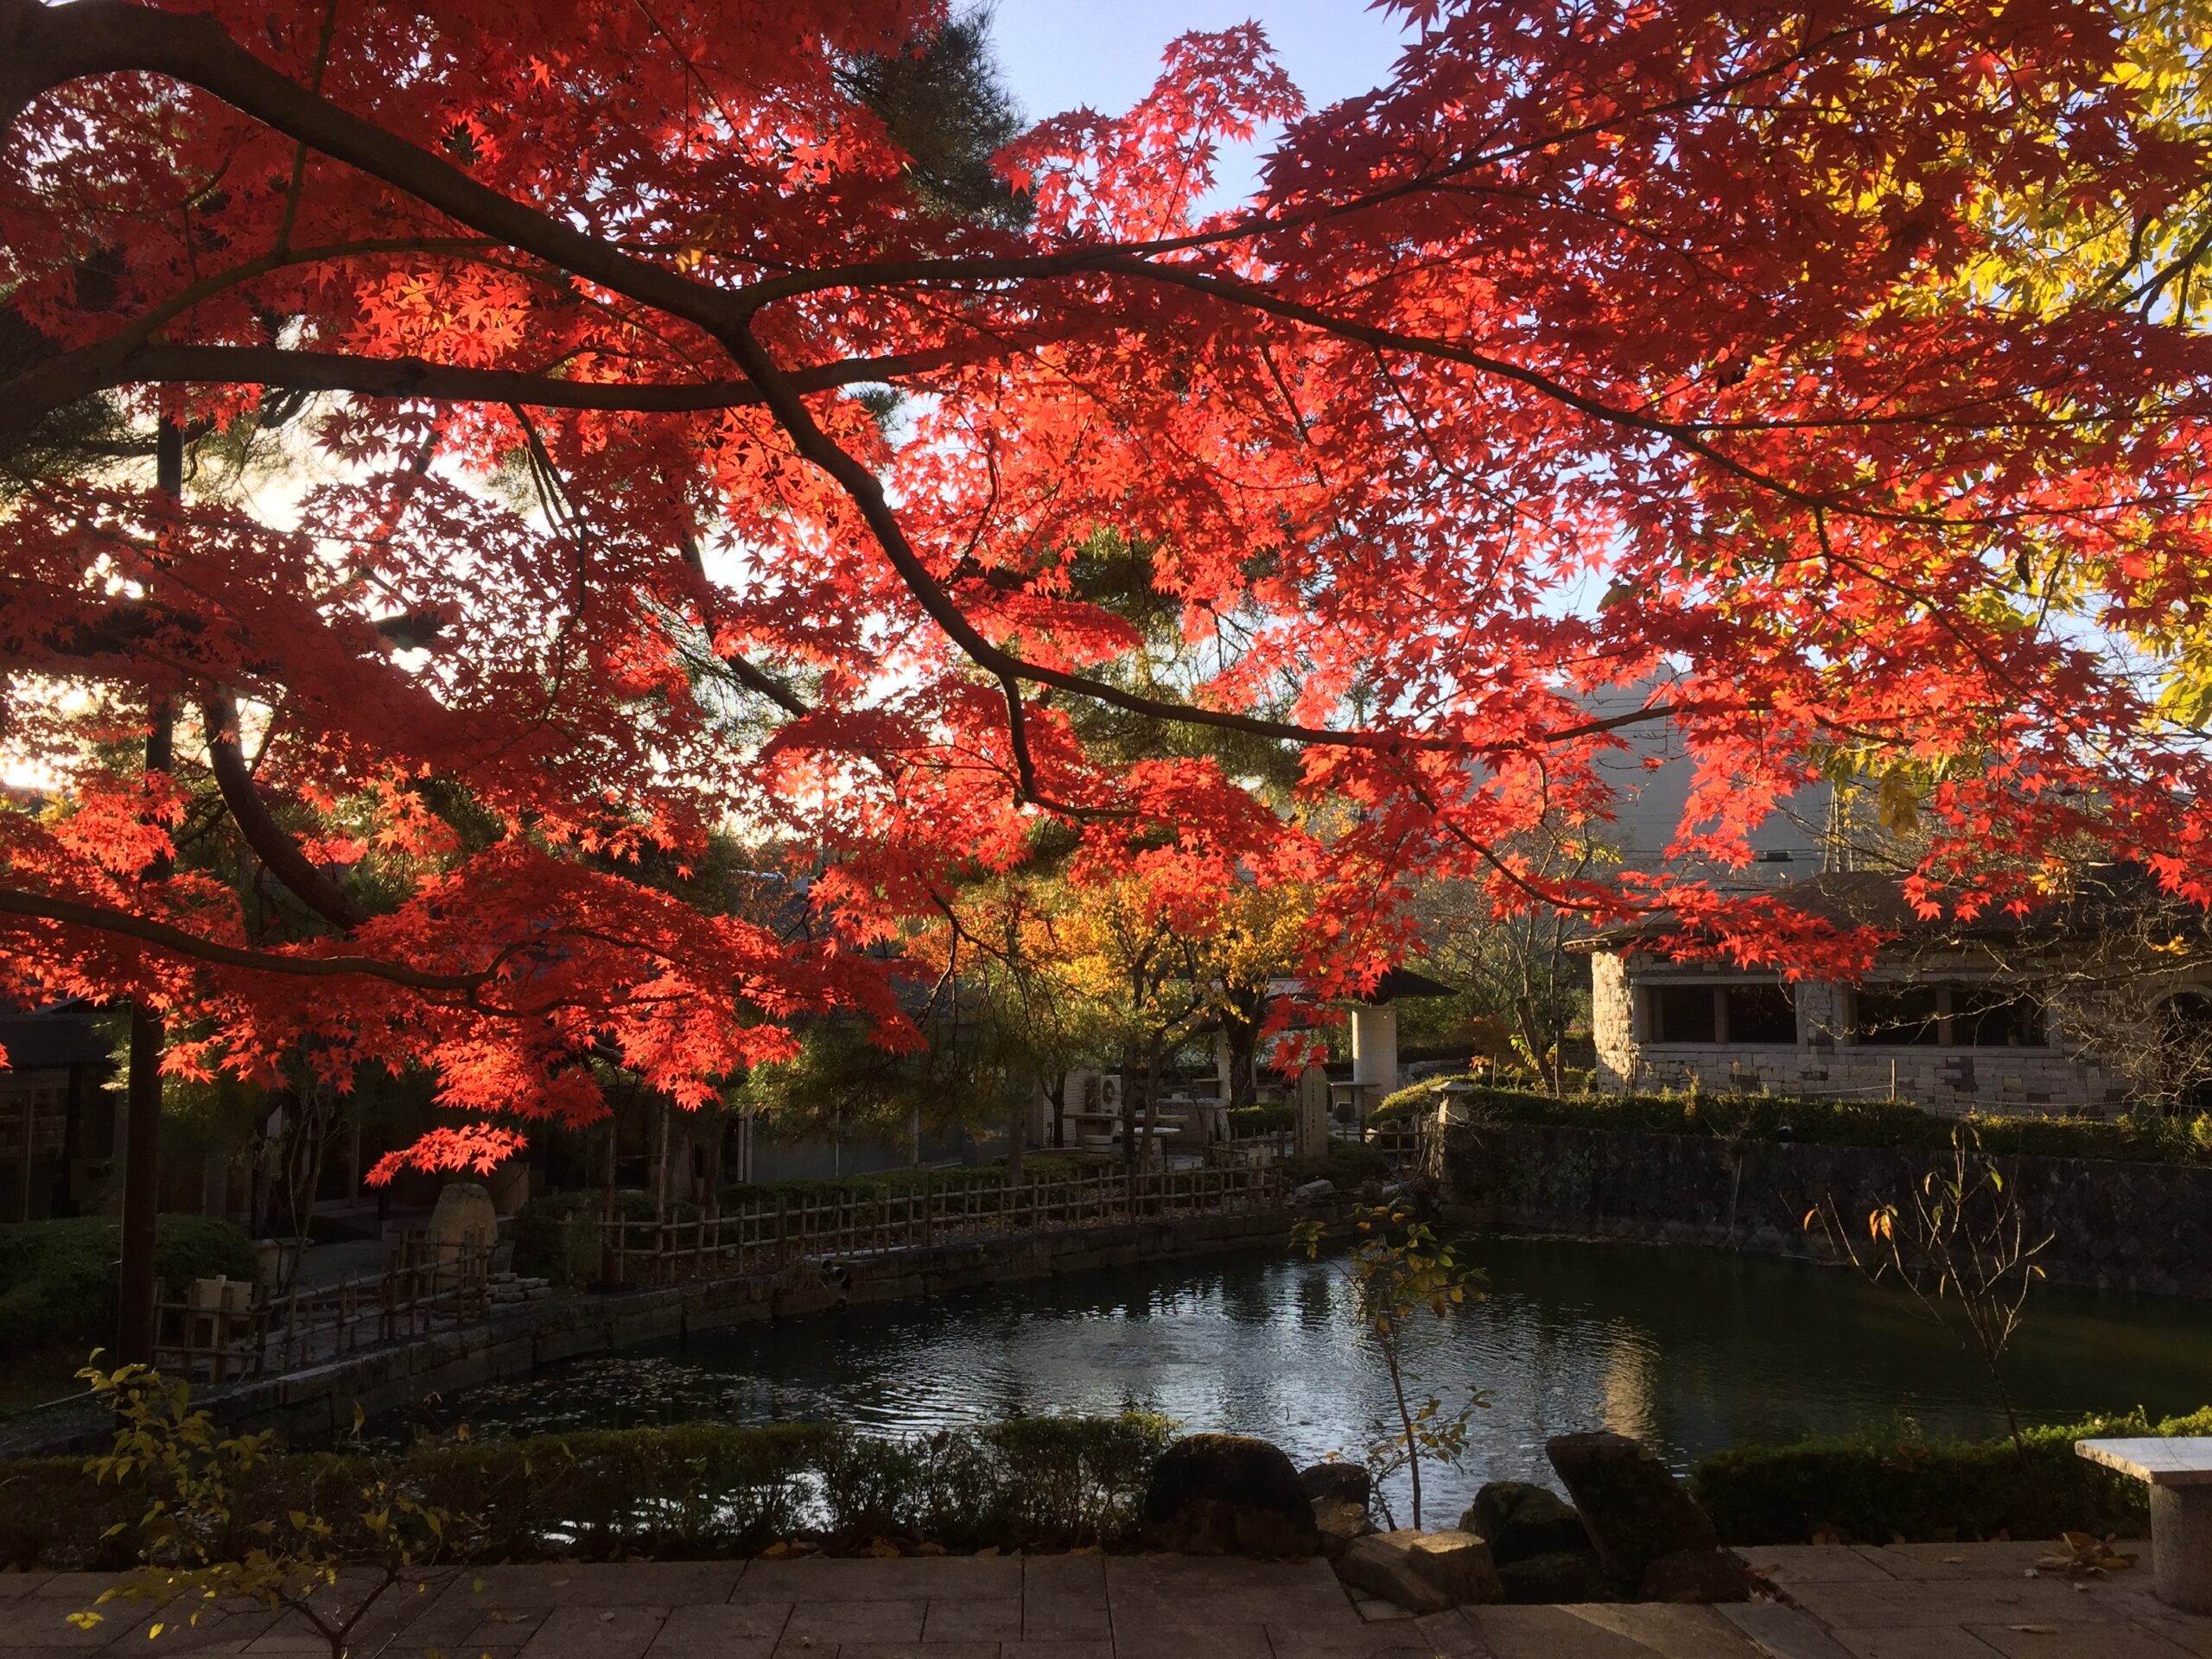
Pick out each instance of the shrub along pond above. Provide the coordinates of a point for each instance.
(1691, 1351)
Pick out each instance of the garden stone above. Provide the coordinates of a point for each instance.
(1339, 1520)
(1634, 1509)
(1313, 1190)
(465, 1220)
(1422, 1572)
(1229, 1494)
(1344, 1480)
(1695, 1575)
(1569, 1575)
(1521, 1519)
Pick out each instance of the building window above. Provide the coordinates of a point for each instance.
(1899, 1016)
(1760, 1013)
(1763, 1014)
(1683, 1014)
(1942, 1015)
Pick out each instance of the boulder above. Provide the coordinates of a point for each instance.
(1314, 1191)
(1695, 1575)
(1345, 1480)
(1520, 1519)
(464, 1221)
(1229, 1494)
(1422, 1572)
(1562, 1575)
(1339, 1520)
(1634, 1510)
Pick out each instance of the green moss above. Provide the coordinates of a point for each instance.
(697, 1491)
(1871, 1489)
(1828, 1122)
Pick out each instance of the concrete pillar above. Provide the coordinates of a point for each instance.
(1374, 1050)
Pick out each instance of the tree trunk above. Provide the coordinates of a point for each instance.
(141, 1192)
(1243, 1064)
(141, 1166)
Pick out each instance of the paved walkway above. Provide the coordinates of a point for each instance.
(1931, 1602)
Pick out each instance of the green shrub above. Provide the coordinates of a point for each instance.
(1872, 1490)
(1347, 1163)
(1829, 1122)
(698, 1490)
(1262, 1119)
(60, 1276)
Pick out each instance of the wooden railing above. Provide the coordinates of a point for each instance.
(792, 1227)
(222, 1336)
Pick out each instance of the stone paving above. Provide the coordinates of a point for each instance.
(1910, 1602)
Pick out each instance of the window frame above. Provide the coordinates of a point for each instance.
(1946, 1019)
(1646, 1012)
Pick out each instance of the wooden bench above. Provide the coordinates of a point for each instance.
(2178, 1471)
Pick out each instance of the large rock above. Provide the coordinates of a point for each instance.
(1562, 1575)
(1347, 1481)
(1229, 1494)
(1422, 1572)
(1695, 1575)
(465, 1221)
(1635, 1511)
(1520, 1519)
(1339, 1520)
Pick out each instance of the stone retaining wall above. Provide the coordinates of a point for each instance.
(312, 1404)
(2114, 1226)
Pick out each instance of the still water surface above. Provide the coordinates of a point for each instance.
(1689, 1349)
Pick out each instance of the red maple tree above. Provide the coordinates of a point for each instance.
(1609, 347)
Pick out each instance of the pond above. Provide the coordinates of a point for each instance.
(1689, 1349)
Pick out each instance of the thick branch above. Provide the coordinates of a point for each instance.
(93, 36)
(42, 907)
(270, 843)
(414, 377)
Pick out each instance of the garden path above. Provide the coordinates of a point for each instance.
(1912, 1602)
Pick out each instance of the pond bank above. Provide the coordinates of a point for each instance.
(2136, 1228)
(319, 1402)
(1691, 1351)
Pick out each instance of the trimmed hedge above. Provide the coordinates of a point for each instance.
(1830, 1123)
(698, 1491)
(1276, 1119)
(1868, 1489)
(60, 1276)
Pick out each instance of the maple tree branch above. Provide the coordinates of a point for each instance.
(42, 46)
(74, 913)
(99, 36)
(867, 492)
(283, 855)
(110, 35)
(416, 377)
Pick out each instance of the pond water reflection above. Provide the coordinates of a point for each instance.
(1690, 1350)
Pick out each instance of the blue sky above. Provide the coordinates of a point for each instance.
(1059, 54)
